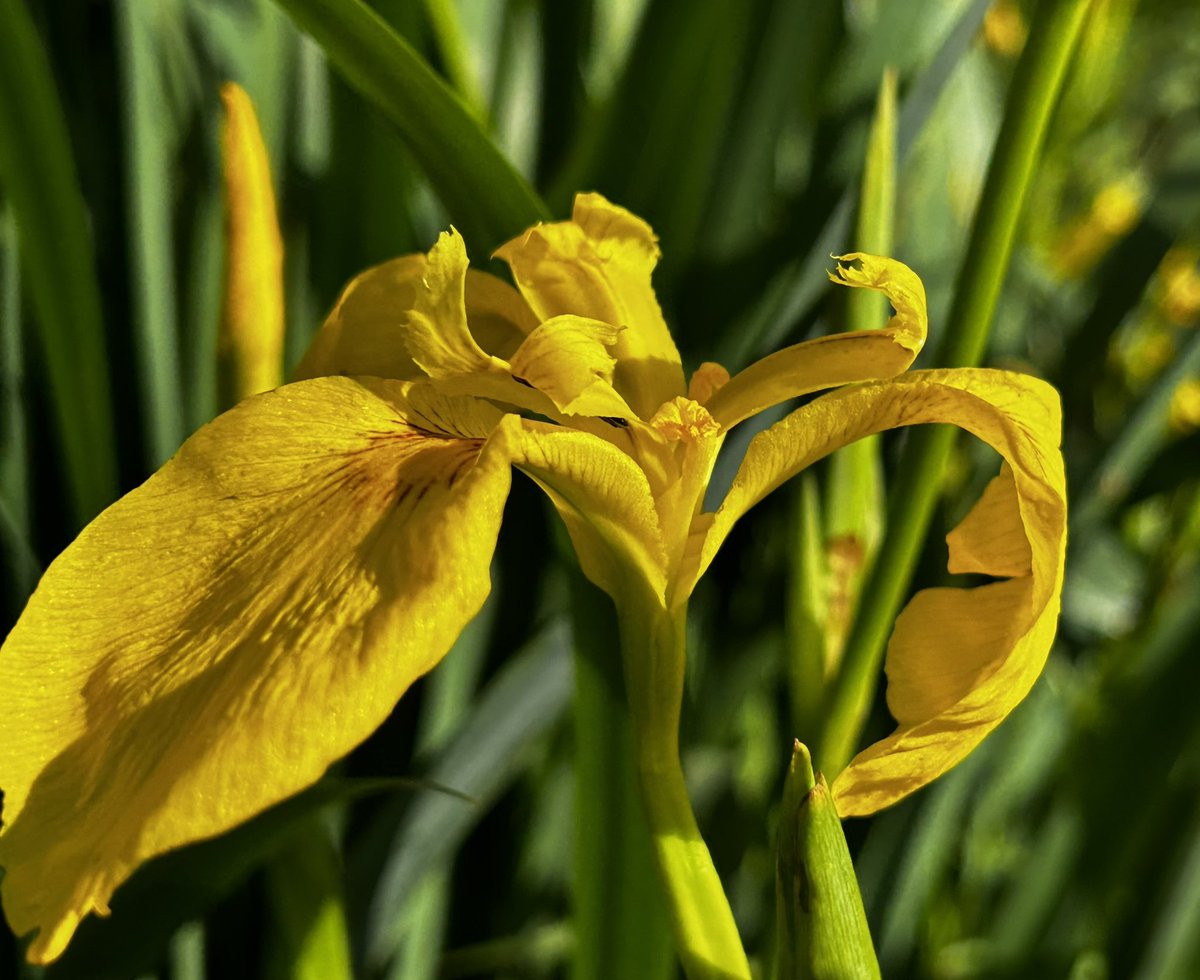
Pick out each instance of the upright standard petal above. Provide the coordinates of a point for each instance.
(863, 355)
(960, 659)
(365, 333)
(567, 358)
(598, 265)
(219, 636)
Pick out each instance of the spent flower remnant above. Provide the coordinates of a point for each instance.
(218, 637)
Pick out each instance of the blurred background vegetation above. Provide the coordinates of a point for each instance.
(1067, 846)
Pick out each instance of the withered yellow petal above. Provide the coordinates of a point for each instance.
(960, 659)
(568, 359)
(604, 500)
(838, 359)
(250, 341)
(219, 636)
(365, 333)
(598, 265)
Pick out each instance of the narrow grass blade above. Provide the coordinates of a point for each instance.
(187, 953)
(1032, 96)
(807, 610)
(149, 136)
(518, 707)
(14, 458)
(38, 174)
(311, 938)
(487, 199)
(452, 46)
(444, 709)
(14, 449)
(1174, 948)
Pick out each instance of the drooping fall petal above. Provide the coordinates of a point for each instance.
(603, 498)
(598, 265)
(838, 359)
(250, 341)
(960, 659)
(219, 636)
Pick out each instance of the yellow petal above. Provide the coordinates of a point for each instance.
(598, 265)
(219, 636)
(250, 342)
(603, 498)
(709, 378)
(838, 359)
(991, 538)
(436, 334)
(365, 334)
(960, 659)
(567, 358)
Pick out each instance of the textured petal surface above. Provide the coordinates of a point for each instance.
(219, 636)
(838, 359)
(365, 332)
(959, 659)
(598, 265)
(567, 358)
(604, 500)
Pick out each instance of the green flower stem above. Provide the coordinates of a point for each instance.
(37, 173)
(653, 642)
(486, 198)
(618, 909)
(1035, 89)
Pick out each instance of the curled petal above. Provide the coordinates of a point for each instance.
(436, 334)
(366, 332)
(838, 359)
(567, 359)
(959, 660)
(598, 265)
(219, 636)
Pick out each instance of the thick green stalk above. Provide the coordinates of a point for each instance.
(486, 197)
(38, 176)
(653, 648)
(620, 918)
(1035, 89)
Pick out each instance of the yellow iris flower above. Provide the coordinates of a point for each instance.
(218, 637)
